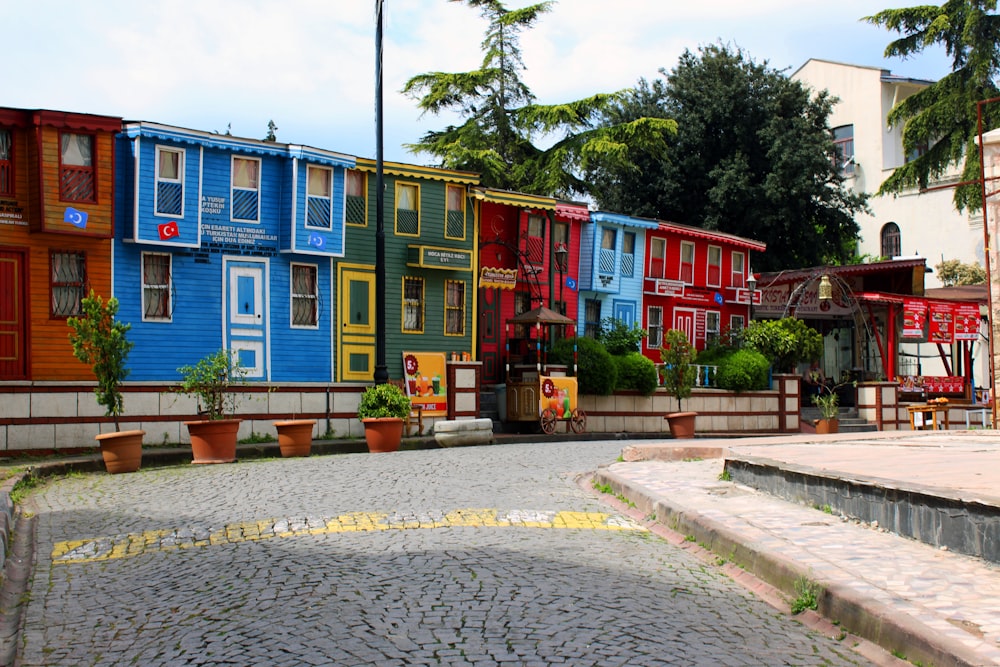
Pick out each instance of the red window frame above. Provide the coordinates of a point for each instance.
(78, 183)
(7, 166)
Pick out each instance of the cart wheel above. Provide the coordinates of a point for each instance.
(578, 421)
(548, 421)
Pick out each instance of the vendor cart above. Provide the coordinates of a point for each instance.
(543, 393)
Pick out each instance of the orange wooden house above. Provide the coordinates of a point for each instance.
(56, 229)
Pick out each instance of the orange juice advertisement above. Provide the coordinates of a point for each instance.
(425, 381)
(558, 395)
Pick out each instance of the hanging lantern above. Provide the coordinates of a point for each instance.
(825, 289)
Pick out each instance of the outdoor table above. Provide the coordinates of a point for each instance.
(927, 411)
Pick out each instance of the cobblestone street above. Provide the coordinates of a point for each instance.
(469, 556)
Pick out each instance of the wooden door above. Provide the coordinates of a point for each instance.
(356, 287)
(246, 309)
(13, 319)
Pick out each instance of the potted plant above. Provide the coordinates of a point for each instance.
(213, 440)
(99, 340)
(677, 355)
(828, 403)
(295, 436)
(383, 409)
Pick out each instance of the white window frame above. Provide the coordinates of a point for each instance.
(685, 247)
(654, 342)
(168, 286)
(708, 267)
(662, 242)
(710, 332)
(328, 197)
(737, 276)
(293, 295)
(233, 187)
(159, 178)
(737, 323)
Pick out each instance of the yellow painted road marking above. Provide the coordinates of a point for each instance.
(133, 544)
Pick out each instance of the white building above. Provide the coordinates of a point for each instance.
(911, 224)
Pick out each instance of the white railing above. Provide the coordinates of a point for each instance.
(704, 374)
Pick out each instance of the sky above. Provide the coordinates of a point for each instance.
(309, 65)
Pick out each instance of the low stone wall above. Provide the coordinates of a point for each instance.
(723, 412)
(45, 416)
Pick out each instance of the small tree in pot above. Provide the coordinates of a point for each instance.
(679, 372)
(99, 340)
(211, 380)
(382, 410)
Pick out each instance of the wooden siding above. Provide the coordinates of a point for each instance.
(100, 211)
(361, 250)
(39, 232)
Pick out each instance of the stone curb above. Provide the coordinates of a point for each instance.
(862, 617)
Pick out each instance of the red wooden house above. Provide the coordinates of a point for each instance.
(56, 226)
(522, 267)
(695, 281)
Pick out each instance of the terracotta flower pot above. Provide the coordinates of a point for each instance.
(295, 436)
(213, 440)
(827, 426)
(383, 434)
(122, 450)
(681, 424)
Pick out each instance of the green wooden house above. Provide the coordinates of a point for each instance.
(430, 262)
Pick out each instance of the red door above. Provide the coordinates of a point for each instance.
(13, 326)
(489, 335)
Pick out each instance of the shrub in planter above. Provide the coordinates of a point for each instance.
(99, 340)
(679, 375)
(743, 370)
(383, 400)
(636, 372)
(619, 339)
(786, 342)
(596, 371)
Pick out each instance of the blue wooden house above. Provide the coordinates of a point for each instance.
(611, 269)
(226, 242)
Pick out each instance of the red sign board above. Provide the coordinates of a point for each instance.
(966, 321)
(941, 328)
(914, 318)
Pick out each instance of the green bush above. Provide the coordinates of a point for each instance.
(619, 339)
(786, 342)
(636, 372)
(596, 371)
(743, 370)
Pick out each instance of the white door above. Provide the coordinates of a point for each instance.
(246, 315)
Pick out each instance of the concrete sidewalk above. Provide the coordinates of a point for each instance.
(926, 604)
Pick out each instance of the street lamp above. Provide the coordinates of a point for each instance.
(752, 284)
(562, 264)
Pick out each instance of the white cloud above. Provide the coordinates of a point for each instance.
(309, 64)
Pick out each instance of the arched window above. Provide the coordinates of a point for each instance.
(890, 240)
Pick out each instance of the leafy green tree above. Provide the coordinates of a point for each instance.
(753, 155)
(620, 339)
(955, 272)
(502, 122)
(786, 342)
(939, 122)
(99, 340)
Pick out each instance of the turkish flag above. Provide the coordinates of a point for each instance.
(169, 230)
